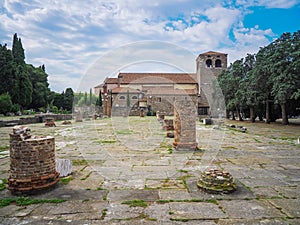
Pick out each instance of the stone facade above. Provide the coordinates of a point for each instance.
(184, 125)
(160, 89)
(32, 162)
(209, 66)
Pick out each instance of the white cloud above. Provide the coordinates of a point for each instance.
(283, 4)
(68, 36)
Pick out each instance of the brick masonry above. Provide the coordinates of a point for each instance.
(185, 125)
(32, 162)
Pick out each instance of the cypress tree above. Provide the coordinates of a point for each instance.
(17, 50)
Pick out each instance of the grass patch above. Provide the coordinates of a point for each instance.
(136, 203)
(66, 180)
(79, 162)
(87, 176)
(4, 148)
(163, 201)
(183, 171)
(108, 141)
(103, 213)
(179, 219)
(104, 197)
(258, 141)
(170, 149)
(126, 131)
(24, 201)
(3, 185)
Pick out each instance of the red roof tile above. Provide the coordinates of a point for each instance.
(110, 80)
(157, 78)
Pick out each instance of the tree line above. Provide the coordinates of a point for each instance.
(24, 86)
(265, 84)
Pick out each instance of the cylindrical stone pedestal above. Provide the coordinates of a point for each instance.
(32, 162)
(184, 125)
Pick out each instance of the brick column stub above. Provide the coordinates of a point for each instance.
(185, 125)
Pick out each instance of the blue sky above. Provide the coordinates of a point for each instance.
(73, 37)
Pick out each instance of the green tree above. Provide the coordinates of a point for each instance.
(100, 99)
(5, 103)
(85, 99)
(285, 70)
(18, 50)
(24, 88)
(8, 77)
(68, 99)
(41, 91)
(91, 97)
(230, 83)
(58, 100)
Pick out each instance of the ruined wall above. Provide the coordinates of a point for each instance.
(35, 119)
(184, 125)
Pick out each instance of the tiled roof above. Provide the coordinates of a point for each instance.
(157, 78)
(110, 80)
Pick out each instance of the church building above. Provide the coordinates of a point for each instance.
(130, 93)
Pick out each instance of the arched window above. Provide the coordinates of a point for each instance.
(122, 97)
(208, 63)
(134, 97)
(218, 63)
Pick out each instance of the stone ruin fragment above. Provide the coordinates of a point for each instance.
(32, 162)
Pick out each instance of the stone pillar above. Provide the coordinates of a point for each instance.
(32, 162)
(184, 125)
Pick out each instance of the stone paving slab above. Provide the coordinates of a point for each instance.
(195, 211)
(263, 182)
(71, 194)
(165, 183)
(291, 207)
(117, 211)
(174, 195)
(250, 209)
(267, 176)
(289, 192)
(121, 195)
(252, 222)
(266, 192)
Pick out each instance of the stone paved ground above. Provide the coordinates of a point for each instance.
(127, 159)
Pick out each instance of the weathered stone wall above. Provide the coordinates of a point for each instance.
(166, 105)
(32, 162)
(184, 125)
(35, 119)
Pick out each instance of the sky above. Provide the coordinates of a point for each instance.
(81, 42)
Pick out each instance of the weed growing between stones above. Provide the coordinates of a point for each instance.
(66, 180)
(136, 203)
(87, 176)
(3, 184)
(79, 162)
(103, 213)
(24, 201)
(4, 148)
(104, 197)
(108, 141)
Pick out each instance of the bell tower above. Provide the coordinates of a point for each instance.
(209, 66)
(210, 63)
